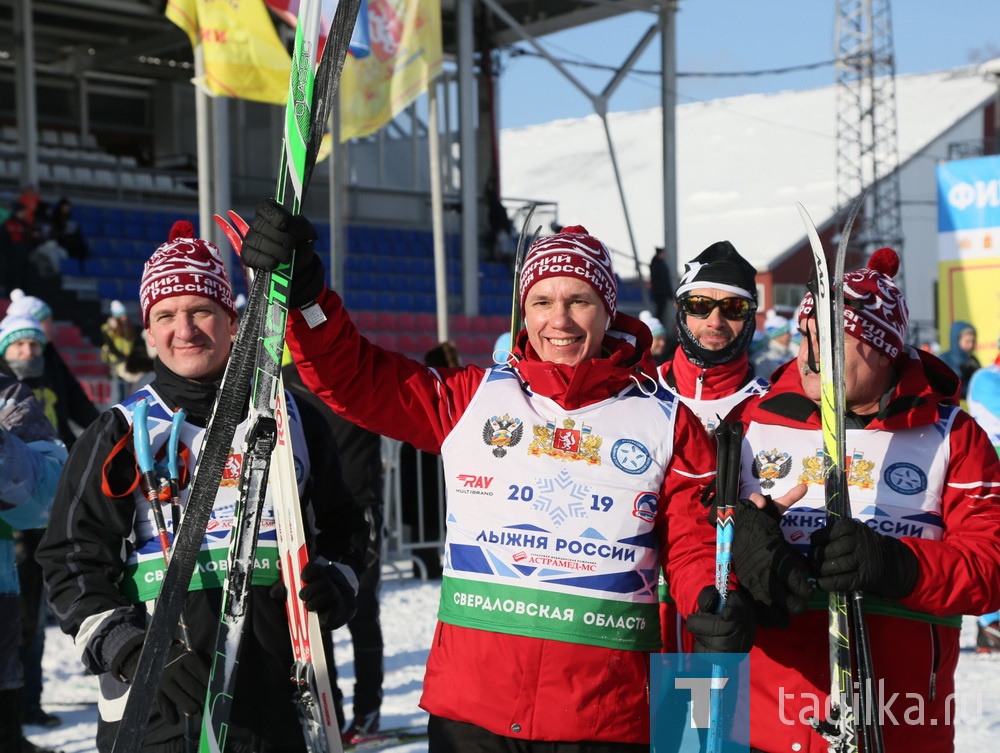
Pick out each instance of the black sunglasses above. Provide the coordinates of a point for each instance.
(701, 307)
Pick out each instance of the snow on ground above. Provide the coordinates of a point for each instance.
(408, 616)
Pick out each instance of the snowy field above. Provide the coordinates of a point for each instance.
(408, 617)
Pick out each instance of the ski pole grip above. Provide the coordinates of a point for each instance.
(140, 429)
(175, 435)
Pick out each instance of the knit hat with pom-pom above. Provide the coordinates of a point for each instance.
(185, 265)
(875, 311)
(22, 304)
(572, 252)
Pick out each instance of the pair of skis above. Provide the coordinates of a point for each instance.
(256, 358)
(850, 649)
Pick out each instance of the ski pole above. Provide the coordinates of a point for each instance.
(144, 457)
(729, 439)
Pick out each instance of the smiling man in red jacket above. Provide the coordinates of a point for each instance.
(566, 490)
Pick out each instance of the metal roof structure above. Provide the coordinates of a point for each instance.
(122, 39)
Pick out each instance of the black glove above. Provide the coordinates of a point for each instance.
(182, 687)
(850, 556)
(328, 593)
(730, 631)
(767, 567)
(269, 242)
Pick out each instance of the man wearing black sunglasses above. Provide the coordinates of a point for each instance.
(710, 371)
(716, 301)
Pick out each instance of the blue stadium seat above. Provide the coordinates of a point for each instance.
(107, 289)
(404, 302)
(360, 263)
(86, 212)
(102, 247)
(115, 214)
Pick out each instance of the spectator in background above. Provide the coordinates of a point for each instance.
(961, 356)
(18, 237)
(73, 409)
(500, 235)
(360, 454)
(30, 200)
(70, 411)
(65, 231)
(31, 461)
(777, 347)
(658, 349)
(117, 340)
(661, 284)
(23, 346)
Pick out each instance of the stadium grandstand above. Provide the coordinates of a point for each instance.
(105, 116)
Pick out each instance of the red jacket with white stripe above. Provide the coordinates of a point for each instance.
(523, 687)
(915, 641)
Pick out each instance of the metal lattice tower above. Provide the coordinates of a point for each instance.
(867, 153)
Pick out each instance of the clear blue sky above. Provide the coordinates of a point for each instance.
(736, 35)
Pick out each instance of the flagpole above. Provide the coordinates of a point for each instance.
(201, 112)
(437, 213)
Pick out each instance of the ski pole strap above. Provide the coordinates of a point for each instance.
(143, 454)
(173, 463)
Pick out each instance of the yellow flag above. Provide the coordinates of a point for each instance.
(405, 37)
(243, 56)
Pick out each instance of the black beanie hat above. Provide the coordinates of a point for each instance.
(720, 266)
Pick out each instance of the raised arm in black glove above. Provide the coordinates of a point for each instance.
(730, 631)
(328, 593)
(850, 556)
(272, 237)
(183, 686)
(767, 567)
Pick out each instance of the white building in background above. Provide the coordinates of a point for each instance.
(742, 164)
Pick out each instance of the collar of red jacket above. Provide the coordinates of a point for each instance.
(717, 381)
(923, 383)
(624, 359)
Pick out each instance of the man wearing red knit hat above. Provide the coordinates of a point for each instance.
(922, 542)
(553, 461)
(101, 554)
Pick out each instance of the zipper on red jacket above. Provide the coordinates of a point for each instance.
(699, 383)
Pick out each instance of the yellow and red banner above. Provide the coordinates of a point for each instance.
(244, 57)
(405, 39)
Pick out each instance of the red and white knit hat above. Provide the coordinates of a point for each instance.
(572, 252)
(875, 311)
(185, 265)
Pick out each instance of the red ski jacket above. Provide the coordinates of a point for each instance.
(915, 641)
(524, 687)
